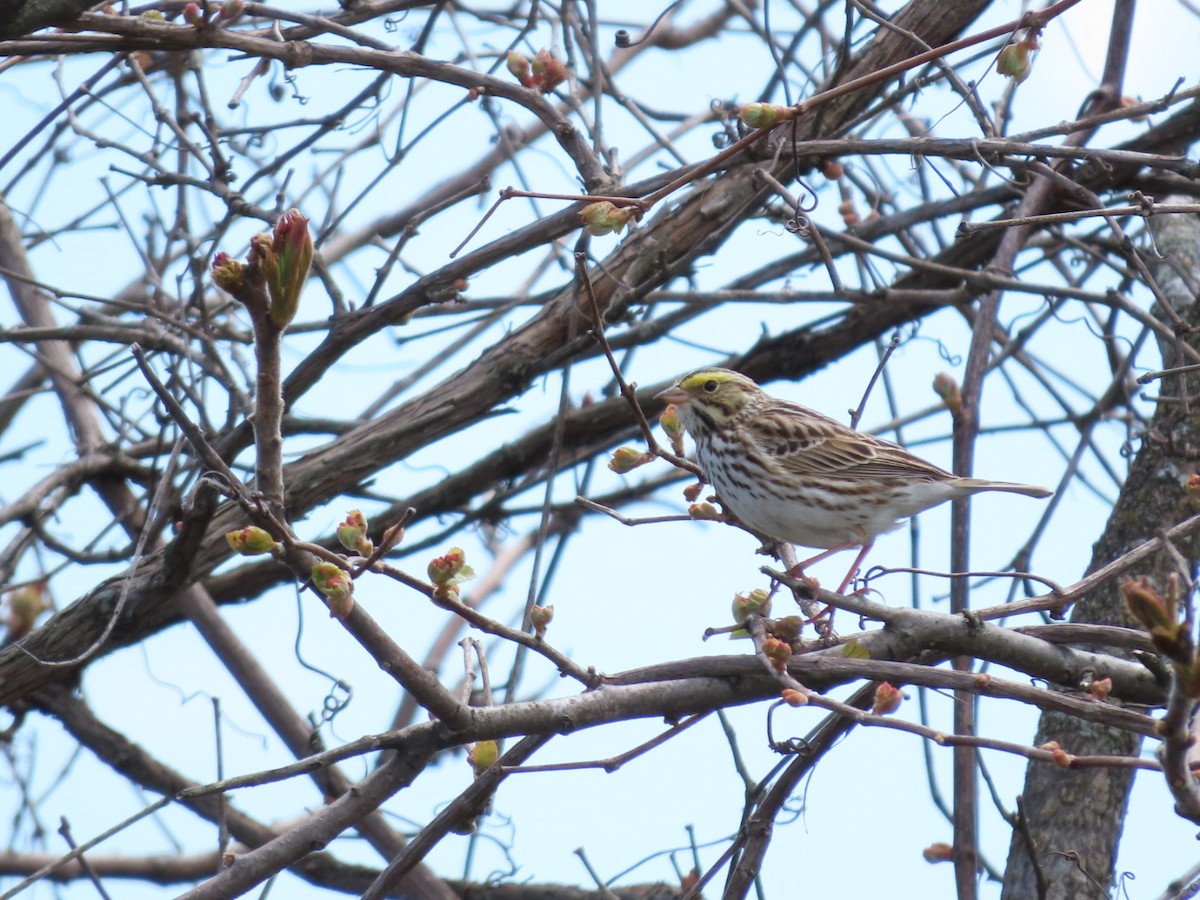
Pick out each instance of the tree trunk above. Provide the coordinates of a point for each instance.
(1067, 844)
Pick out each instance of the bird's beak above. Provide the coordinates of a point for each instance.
(673, 394)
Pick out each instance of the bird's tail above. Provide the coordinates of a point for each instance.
(976, 485)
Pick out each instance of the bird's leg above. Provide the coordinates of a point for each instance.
(797, 571)
(866, 548)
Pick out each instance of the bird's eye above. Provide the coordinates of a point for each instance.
(710, 386)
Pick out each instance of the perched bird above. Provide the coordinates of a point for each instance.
(795, 475)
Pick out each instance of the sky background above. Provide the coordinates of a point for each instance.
(624, 597)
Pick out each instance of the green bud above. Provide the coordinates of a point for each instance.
(292, 248)
(603, 217)
(1014, 61)
(251, 541)
(947, 388)
(22, 608)
(450, 570)
(765, 115)
(626, 459)
(672, 424)
(518, 65)
(704, 511)
(757, 602)
(1146, 604)
(540, 617)
(337, 587)
(482, 755)
(352, 533)
(228, 274)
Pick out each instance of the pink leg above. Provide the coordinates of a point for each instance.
(866, 548)
(798, 569)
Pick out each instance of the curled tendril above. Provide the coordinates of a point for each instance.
(623, 40)
(332, 704)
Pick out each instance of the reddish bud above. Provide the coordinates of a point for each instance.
(692, 491)
(1100, 688)
(703, 511)
(193, 15)
(887, 699)
(832, 169)
(548, 72)
(793, 697)
(939, 852)
(777, 652)
(1193, 485)
(1130, 103)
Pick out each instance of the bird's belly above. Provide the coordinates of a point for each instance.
(813, 525)
(821, 519)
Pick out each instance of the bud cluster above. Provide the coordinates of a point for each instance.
(544, 73)
(276, 267)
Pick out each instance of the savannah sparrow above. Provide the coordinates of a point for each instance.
(795, 475)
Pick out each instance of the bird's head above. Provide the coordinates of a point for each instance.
(717, 394)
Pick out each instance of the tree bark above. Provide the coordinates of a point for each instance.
(1073, 818)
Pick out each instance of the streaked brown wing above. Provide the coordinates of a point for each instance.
(803, 442)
